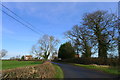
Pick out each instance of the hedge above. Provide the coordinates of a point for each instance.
(45, 70)
(99, 61)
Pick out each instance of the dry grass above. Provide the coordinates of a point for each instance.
(107, 66)
(45, 70)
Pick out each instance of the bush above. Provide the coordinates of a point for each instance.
(22, 57)
(99, 61)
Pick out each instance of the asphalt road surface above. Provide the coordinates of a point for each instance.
(72, 71)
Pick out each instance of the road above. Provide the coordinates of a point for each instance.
(72, 71)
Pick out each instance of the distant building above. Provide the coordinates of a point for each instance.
(28, 57)
(77, 56)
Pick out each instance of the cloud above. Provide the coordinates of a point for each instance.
(48, 12)
(37, 9)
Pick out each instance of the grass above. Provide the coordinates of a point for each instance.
(15, 64)
(110, 70)
(59, 72)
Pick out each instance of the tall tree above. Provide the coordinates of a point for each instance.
(101, 23)
(45, 46)
(66, 51)
(81, 39)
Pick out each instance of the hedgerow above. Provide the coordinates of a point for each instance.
(45, 70)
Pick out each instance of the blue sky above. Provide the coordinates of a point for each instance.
(52, 18)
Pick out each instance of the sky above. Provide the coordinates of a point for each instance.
(52, 18)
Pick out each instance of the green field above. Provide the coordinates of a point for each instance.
(15, 64)
(110, 70)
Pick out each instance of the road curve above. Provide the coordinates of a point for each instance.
(72, 71)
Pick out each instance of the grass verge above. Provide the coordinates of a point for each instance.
(59, 72)
(15, 64)
(110, 70)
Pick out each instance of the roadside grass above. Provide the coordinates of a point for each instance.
(0, 64)
(59, 72)
(15, 64)
(107, 69)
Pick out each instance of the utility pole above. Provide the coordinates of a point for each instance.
(119, 34)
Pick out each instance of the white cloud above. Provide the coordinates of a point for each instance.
(46, 11)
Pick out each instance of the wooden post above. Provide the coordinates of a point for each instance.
(119, 35)
(119, 29)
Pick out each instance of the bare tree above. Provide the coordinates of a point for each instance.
(73, 35)
(45, 46)
(81, 39)
(54, 55)
(101, 23)
(3, 52)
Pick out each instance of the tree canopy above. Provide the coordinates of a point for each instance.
(97, 33)
(45, 46)
(102, 25)
(66, 51)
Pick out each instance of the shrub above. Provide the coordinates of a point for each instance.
(22, 57)
(99, 61)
